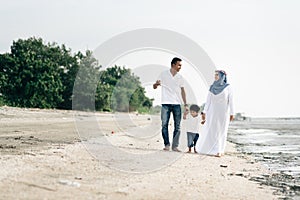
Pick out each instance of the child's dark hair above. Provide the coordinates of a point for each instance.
(195, 108)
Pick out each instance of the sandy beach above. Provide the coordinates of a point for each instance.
(42, 156)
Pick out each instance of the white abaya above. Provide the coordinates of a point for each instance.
(218, 108)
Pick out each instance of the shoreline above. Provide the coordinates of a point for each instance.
(273, 143)
(43, 156)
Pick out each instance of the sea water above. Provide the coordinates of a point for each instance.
(275, 142)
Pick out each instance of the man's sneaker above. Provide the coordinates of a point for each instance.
(167, 148)
(176, 149)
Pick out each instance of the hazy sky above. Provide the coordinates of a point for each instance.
(256, 41)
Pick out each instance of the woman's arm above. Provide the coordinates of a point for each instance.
(207, 105)
(230, 102)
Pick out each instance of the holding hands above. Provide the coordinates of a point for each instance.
(203, 117)
(186, 112)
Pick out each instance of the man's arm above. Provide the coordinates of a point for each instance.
(183, 95)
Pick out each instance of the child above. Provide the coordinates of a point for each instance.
(193, 126)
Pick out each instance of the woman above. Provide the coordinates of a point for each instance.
(218, 110)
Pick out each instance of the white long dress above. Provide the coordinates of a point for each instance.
(218, 108)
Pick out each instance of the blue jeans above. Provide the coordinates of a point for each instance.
(166, 111)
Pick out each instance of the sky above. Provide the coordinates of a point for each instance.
(257, 42)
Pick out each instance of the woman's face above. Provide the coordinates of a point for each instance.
(217, 76)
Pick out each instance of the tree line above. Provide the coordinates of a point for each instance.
(36, 74)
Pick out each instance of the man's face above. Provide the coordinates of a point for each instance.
(177, 66)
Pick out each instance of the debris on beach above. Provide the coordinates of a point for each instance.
(69, 183)
(225, 166)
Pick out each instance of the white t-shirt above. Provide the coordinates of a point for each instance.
(193, 124)
(171, 87)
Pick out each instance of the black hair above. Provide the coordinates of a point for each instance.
(174, 60)
(195, 108)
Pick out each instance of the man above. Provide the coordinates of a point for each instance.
(173, 94)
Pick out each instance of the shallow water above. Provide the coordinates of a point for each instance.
(275, 142)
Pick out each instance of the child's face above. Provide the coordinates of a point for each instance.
(194, 113)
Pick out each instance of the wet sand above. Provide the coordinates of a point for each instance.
(274, 142)
(42, 156)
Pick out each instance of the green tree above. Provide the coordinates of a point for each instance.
(33, 77)
(70, 65)
(120, 90)
(35, 72)
(85, 85)
(5, 62)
